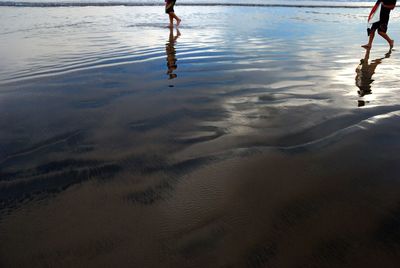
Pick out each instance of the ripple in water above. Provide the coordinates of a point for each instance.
(120, 133)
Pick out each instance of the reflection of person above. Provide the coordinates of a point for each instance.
(382, 24)
(365, 71)
(169, 9)
(171, 53)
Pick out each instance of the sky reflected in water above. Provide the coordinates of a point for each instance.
(251, 137)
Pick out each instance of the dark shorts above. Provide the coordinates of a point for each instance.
(169, 6)
(382, 24)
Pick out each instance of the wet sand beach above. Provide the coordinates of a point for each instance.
(251, 137)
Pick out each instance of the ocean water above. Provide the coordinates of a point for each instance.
(313, 3)
(12, 24)
(22, 37)
(253, 136)
(219, 1)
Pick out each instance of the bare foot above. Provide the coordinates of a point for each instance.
(391, 43)
(178, 21)
(366, 46)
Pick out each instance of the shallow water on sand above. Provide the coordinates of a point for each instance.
(258, 137)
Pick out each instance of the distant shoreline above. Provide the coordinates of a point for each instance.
(104, 4)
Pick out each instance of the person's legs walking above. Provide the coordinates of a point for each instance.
(174, 16)
(171, 19)
(370, 40)
(387, 38)
(169, 9)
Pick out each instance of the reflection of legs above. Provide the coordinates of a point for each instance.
(387, 38)
(371, 39)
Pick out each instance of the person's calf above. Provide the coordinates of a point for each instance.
(370, 40)
(387, 38)
(171, 19)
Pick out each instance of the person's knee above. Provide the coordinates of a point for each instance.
(382, 33)
(372, 31)
(382, 29)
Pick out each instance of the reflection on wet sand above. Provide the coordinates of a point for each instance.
(248, 163)
(171, 53)
(364, 72)
(253, 208)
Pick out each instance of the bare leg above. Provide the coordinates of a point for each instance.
(387, 38)
(171, 19)
(178, 20)
(371, 39)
